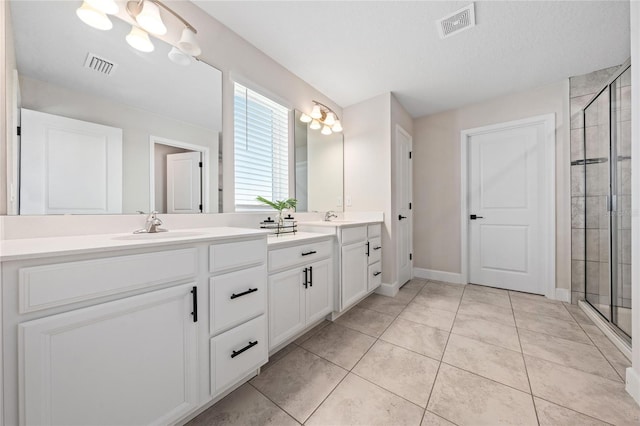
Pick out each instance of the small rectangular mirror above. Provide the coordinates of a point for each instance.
(319, 163)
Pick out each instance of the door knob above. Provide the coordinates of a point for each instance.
(400, 217)
(474, 217)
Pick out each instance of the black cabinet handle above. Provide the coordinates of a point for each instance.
(246, 348)
(400, 217)
(309, 252)
(375, 274)
(194, 292)
(474, 217)
(251, 290)
(377, 248)
(310, 276)
(306, 277)
(368, 245)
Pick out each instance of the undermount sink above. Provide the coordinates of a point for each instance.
(158, 235)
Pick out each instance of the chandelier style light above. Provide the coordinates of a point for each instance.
(322, 117)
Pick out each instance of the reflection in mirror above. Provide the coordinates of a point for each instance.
(319, 168)
(163, 120)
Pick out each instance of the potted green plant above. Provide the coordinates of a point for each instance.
(279, 205)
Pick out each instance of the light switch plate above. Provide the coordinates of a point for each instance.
(348, 201)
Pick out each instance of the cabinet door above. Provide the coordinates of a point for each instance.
(354, 273)
(286, 305)
(127, 362)
(319, 292)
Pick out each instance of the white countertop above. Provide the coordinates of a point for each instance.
(338, 223)
(32, 248)
(291, 239)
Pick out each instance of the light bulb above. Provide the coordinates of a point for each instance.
(150, 20)
(139, 40)
(337, 126)
(177, 56)
(104, 6)
(315, 112)
(326, 130)
(305, 118)
(330, 119)
(315, 125)
(93, 17)
(188, 43)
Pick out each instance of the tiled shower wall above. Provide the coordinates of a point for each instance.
(582, 89)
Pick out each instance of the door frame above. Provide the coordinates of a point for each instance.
(400, 129)
(547, 239)
(204, 154)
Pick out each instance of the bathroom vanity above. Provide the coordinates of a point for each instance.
(124, 329)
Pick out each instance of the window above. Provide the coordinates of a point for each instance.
(261, 139)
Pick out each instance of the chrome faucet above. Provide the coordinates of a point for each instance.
(329, 215)
(151, 225)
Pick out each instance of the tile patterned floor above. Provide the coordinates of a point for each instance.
(440, 354)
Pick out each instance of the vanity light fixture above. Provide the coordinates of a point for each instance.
(322, 117)
(148, 20)
(94, 17)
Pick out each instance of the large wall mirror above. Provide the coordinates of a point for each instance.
(125, 132)
(319, 163)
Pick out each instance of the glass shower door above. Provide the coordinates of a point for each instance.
(607, 163)
(621, 190)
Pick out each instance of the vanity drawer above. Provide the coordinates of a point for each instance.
(47, 286)
(236, 254)
(375, 275)
(374, 230)
(375, 250)
(237, 352)
(303, 253)
(353, 235)
(236, 297)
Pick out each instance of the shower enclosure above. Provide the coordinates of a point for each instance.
(607, 171)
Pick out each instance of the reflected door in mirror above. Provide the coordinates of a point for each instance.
(69, 166)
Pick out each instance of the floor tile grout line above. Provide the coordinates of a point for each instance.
(574, 410)
(602, 353)
(526, 370)
(272, 401)
(444, 350)
(387, 390)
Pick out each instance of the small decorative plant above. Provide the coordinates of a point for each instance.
(279, 205)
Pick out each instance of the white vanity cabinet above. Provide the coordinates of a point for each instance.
(374, 256)
(354, 264)
(131, 336)
(130, 361)
(300, 287)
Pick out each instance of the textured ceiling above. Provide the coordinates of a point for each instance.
(354, 50)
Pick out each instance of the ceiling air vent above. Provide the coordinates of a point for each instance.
(102, 65)
(456, 22)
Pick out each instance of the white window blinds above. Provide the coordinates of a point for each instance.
(261, 139)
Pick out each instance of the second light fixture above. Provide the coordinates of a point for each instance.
(322, 117)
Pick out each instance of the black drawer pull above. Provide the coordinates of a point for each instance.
(375, 274)
(251, 290)
(310, 276)
(306, 277)
(377, 248)
(194, 292)
(309, 252)
(368, 245)
(246, 348)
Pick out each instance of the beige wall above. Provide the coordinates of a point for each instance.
(369, 155)
(436, 174)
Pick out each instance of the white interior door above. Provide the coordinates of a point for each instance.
(69, 166)
(506, 208)
(184, 183)
(403, 205)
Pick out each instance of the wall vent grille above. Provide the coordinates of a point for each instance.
(99, 64)
(458, 21)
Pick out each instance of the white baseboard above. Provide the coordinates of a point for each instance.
(387, 289)
(633, 384)
(563, 295)
(431, 274)
(606, 329)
